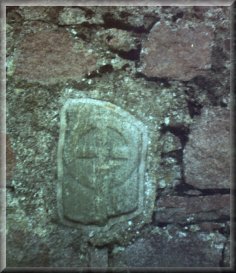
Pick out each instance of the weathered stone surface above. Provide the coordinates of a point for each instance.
(171, 143)
(193, 192)
(211, 226)
(180, 53)
(134, 17)
(34, 13)
(101, 162)
(74, 16)
(126, 17)
(117, 39)
(178, 249)
(36, 236)
(51, 56)
(178, 209)
(170, 173)
(10, 159)
(228, 259)
(179, 115)
(9, 39)
(207, 153)
(40, 251)
(37, 118)
(98, 258)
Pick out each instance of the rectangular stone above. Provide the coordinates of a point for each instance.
(101, 162)
(178, 209)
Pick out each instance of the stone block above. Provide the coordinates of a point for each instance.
(180, 53)
(101, 163)
(179, 209)
(51, 57)
(207, 154)
(174, 249)
(171, 143)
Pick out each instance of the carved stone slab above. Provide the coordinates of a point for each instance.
(101, 161)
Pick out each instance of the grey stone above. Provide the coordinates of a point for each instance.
(207, 153)
(117, 39)
(172, 249)
(101, 162)
(170, 173)
(76, 16)
(98, 257)
(48, 63)
(10, 158)
(9, 38)
(227, 255)
(34, 13)
(171, 143)
(179, 115)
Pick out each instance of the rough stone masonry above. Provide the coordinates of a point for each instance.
(118, 136)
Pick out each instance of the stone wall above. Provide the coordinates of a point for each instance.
(151, 94)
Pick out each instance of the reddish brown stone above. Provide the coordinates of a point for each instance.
(178, 209)
(211, 226)
(51, 56)
(207, 153)
(181, 53)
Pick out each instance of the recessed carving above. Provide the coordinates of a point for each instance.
(101, 159)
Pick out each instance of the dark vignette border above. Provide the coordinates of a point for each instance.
(3, 5)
